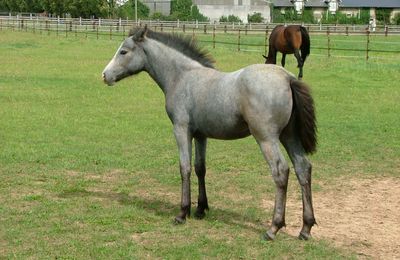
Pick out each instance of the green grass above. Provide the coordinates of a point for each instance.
(89, 171)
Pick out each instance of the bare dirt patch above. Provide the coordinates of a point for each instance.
(361, 214)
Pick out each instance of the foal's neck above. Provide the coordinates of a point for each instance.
(166, 65)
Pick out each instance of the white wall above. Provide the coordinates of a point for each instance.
(214, 12)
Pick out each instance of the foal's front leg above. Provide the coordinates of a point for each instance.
(184, 142)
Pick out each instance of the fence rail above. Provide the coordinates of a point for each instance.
(242, 37)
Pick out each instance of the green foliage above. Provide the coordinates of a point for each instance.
(87, 9)
(181, 9)
(290, 15)
(255, 18)
(396, 19)
(196, 15)
(230, 18)
(77, 8)
(308, 15)
(341, 18)
(128, 10)
(383, 15)
(159, 16)
(286, 15)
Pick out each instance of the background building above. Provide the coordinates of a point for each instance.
(214, 9)
(351, 8)
(158, 6)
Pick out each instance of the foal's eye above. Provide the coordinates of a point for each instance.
(123, 52)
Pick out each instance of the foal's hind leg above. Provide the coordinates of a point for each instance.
(303, 172)
(280, 173)
(200, 169)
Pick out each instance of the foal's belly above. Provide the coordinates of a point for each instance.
(228, 128)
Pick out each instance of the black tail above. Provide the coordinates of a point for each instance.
(305, 43)
(304, 115)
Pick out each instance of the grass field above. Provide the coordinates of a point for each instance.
(91, 172)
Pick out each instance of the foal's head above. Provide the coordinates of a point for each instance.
(128, 60)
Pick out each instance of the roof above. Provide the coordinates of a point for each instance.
(344, 3)
(371, 3)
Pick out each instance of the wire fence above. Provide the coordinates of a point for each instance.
(327, 40)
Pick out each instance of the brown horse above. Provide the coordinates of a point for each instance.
(288, 40)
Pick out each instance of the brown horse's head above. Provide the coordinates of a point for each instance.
(269, 60)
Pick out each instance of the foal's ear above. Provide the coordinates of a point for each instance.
(143, 33)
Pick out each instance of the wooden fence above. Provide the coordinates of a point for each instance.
(240, 37)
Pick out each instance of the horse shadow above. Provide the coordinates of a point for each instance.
(167, 209)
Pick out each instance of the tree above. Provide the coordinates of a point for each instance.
(181, 9)
(88, 8)
(128, 10)
(196, 15)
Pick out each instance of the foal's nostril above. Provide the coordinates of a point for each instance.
(103, 76)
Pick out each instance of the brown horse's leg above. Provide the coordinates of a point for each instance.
(200, 169)
(283, 61)
(299, 62)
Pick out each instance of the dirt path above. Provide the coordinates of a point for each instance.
(362, 215)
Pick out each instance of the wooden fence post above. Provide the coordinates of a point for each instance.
(110, 32)
(214, 37)
(266, 40)
(97, 32)
(66, 29)
(367, 53)
(329, 41)
(48, 27)
(347, 31)
(386, 30)
(183, 28)
(205, 29)
(239, 41)
(225, 28)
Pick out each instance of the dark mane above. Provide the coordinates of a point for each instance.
(181, 43)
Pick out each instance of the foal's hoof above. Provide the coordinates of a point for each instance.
(269, 236)
(179, 220)
(304, 236)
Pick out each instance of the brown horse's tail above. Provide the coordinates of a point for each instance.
(303, 121)
(305, 43)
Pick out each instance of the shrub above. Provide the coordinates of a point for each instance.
(230, 18)
(255, 18)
